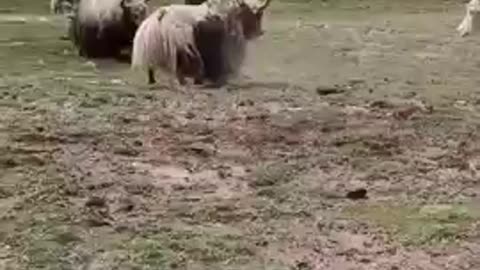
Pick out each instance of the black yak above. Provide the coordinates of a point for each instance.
(206, 41)
(103, 28)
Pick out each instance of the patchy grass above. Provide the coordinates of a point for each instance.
(271, 174)
(427, 225)
(48, 246)
(197, 247)
(119, 133)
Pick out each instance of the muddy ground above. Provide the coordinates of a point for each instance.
(100, 171)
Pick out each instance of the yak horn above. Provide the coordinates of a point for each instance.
(161, 12)
(264, 5)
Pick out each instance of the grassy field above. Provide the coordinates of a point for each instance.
(100, 171)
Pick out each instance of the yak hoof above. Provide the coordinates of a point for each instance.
(182, 81)
(151, 77)
(198, 81)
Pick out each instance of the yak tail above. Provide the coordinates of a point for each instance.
(147, 42)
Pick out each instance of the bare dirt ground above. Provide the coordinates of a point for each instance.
(99, 171)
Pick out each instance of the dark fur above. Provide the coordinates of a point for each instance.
(189, 66)
(114, 37)
(210, 38)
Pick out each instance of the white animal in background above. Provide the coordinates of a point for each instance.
(466, 26)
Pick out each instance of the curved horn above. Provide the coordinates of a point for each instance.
(264, 5)
(161, 12)
(123, 4)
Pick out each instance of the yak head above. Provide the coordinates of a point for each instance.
(134, 11)
(250, 16)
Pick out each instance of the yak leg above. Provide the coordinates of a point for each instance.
(198, 80)
(181, 78)
(151, 76)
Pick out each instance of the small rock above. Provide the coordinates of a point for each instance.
(382, 104)
(329, 90)
(405, 113)
(351, 110)
(202, 149)
(117, 82)
(95, 201)
(124, 205)
(357, 194)
(355, 81)
(97, 222)
(461, 103)
(303, 265)
(190, 115)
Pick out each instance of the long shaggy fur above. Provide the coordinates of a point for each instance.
(102, 28)
(164, 42)
(203, 41)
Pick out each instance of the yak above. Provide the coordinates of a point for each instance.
(206, 41)
(103, 28)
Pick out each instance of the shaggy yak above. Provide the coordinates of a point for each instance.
(102, 28)
(206, 41)
(472, 8)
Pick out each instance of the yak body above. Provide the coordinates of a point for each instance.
(210, 38)
(206, 41)
(103, 28)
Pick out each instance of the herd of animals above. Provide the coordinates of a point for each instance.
(202, 40)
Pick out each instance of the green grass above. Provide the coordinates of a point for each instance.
(427, 225)
(48, 93)
(194, 247)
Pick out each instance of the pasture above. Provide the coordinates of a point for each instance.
(100, 171)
